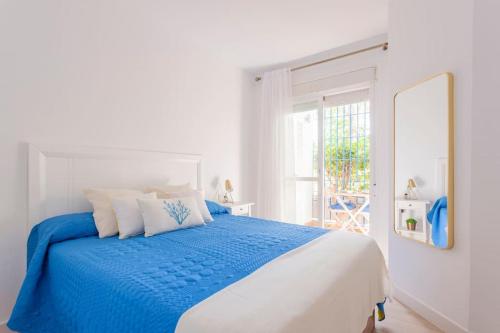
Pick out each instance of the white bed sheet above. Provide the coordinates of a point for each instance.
(328, 285)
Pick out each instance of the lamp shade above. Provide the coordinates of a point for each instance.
(228, 186)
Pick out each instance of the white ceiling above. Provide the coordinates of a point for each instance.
(258, 33)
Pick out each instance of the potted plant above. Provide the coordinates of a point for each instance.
(411, 224)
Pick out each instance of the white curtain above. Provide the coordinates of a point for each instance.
(276, 160)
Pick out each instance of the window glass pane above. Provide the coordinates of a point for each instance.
(347, 147)
(347, 165)
(346, 142)
(307, 205)
(305, 142)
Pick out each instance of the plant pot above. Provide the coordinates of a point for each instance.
(411, 226)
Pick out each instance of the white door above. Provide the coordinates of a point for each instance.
(331, 143)
(347, 145)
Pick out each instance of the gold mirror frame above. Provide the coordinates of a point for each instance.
(451, 160)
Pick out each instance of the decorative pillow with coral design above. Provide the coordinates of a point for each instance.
(163, 215)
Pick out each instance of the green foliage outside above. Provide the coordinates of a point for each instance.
(347, 149)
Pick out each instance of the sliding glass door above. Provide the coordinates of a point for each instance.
(302, 203)
(331, 145)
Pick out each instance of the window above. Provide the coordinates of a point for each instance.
(331, 144)
(347, 147)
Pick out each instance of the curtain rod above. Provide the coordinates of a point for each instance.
(384, 47)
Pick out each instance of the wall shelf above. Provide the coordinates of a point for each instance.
(416, 209)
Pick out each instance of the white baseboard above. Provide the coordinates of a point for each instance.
(438, 319)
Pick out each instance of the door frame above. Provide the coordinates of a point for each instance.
(318, 98)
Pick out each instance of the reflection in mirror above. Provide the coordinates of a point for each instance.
(423, 161)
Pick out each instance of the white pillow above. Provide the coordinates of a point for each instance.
(164, 215)
(104, 216)
(199, 197)
(128, 215)
(169, 188)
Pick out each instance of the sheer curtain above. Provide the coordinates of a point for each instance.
(275, 162)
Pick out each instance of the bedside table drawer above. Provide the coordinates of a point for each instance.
(239, 210)
(411, 204)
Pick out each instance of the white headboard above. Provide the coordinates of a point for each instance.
(57, 175)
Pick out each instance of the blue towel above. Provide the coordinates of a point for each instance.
(79, 283)
(438, 218)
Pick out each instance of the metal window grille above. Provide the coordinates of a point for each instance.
(347, 147)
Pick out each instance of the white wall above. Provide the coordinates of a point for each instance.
(428, 37)
(485, 222)
(92, 73)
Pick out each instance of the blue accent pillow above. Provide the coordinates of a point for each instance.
(214, 208)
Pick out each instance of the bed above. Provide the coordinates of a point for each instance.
(236, 274)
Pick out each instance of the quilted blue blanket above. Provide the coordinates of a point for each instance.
(76, 282)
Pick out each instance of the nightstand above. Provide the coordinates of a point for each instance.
(239, 208)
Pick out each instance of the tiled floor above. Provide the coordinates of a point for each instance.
(4, 329)
(331, 224)
(399, 319)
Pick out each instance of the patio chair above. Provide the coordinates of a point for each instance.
(336, 207)
(365, 214)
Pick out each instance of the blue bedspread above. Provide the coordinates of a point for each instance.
(77, 282)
